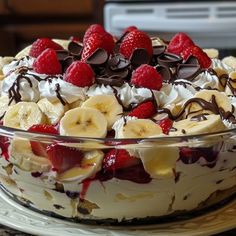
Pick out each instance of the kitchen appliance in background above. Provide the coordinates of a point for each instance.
(210, 23)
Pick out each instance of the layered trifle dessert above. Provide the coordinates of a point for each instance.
(114, 129)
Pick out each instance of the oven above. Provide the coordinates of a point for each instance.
(209, 23)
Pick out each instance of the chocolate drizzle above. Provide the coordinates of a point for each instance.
(57, 90)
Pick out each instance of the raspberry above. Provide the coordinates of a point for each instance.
(146, 76)
(179, 42)
(64, 158)
(135, 39)
(41, 44)
(39, 148)
(130, 28)
(144, 110)
(118, 159)
(80, 74)
(202, 57)
(166, 125)
(95, 41)
(47, 63)
(96, 28)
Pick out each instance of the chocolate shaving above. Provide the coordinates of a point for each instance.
(99, 57)
(187, 71)
(192, 61)
(62, 54)
(139, 56)
(118, 62)
(169, 59)
(112, 81)
(74, 48)
(158, 50)
(165, 72)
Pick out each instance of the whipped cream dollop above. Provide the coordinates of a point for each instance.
(26, 61)
(127, 94)
(216, 63)
(51, 88)
(174, 93)
(206, 80)
(27, 87)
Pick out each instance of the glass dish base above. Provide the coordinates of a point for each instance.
(14, 215)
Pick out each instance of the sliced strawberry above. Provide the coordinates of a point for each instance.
(63, 158)
(39, 148)
(41, 44)
(179, 42)
(118, 159)
(144, 110)
(95, 28)
(202, 57)
(135, 39)
(95, 41)
(166, 125)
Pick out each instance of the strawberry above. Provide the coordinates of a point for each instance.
(80, 74)
(135, 39)
(63, 158)
(146, 76)
(95, 28)
(130, 28)
(95, 41)
(166, 125)
(38, 148)
(144, 110)
(202, 57)
(47, 63)
(179, 42)
(118, 159)
(74, 39)
(41, 44)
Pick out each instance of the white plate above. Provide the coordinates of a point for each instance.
(18, 217)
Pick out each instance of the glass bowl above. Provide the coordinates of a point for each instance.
(170, 177)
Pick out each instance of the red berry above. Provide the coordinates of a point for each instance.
(80, 74)
(64, 158)
(95, 28)
(118, 159)
(179, 42)
(95, 41)
(144, 110)
(130, 28)
(203, 59)
(41, 44)
(146, 76)
(166, 125)
(135, 39)
(39, 148)
(47, 63)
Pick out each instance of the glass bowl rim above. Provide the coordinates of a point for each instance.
(36, 136)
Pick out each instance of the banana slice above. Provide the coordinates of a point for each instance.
(84, 122)
(139, 128)
(4, 101)
(198, 125)
(107, 105)
(23, 115)
(21, 154)
(231, 84)
(90, 165)
(53, 110)
(211, 52)
(159, 162)
(230, 61)
(221, 99)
